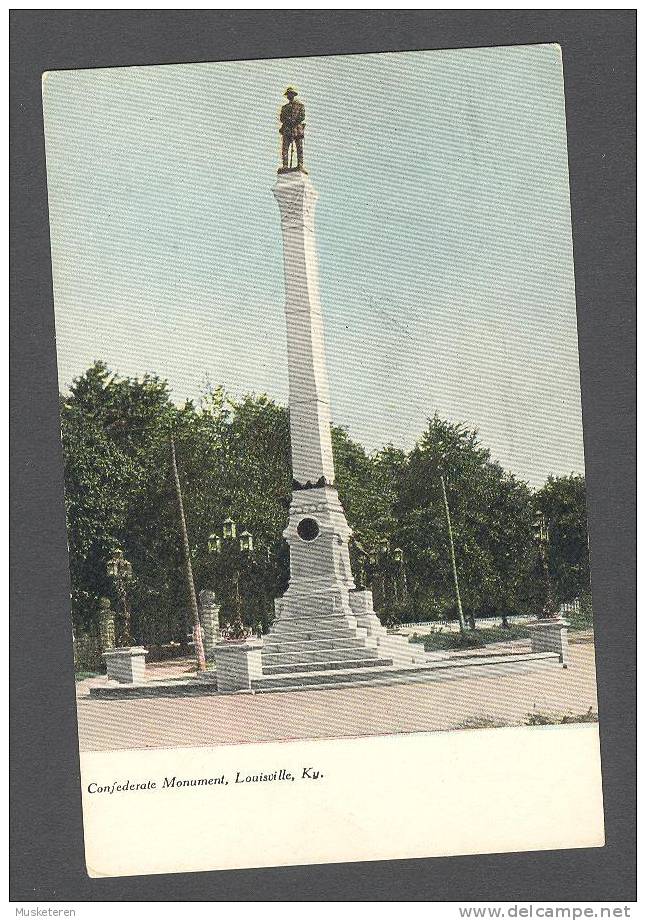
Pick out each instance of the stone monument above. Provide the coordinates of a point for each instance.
(322, 620)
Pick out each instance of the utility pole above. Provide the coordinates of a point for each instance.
(452, 548)
(188, 569)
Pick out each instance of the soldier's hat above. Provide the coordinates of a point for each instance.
(290, 91)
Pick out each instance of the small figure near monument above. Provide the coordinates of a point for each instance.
(292, 129)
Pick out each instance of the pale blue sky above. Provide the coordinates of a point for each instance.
(443, 233)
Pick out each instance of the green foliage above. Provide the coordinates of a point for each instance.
(533, 719)
(562, 501)
(233, 458)
(484, 722)
(538, 718)
(581, 619)
(491, 516)
(472, 639)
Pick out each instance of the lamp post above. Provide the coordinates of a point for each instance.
(542, 537)
(237, 550)
(120, 571)
(228, 529)
(246, 542)
(398, 556)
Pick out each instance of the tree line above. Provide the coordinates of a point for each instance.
(233, 459)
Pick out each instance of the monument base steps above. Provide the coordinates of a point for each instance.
(292, 644)
(485, 666)
(436, 670)
(337, 624)
(336, 653)
(324, 666)
(299, 641)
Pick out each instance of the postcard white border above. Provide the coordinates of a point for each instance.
(377, 798)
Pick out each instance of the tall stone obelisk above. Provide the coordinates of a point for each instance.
(318, 533)
(323, 623)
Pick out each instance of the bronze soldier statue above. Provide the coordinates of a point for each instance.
(292, 128)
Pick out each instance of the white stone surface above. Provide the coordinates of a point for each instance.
(550, 635)
(361, 602)
(320, 566)
(126, 664)
(309, 396)
(237, 664)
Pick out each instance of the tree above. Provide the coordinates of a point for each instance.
(233, 459)
(105, 474)
(491, 516)
(562, 500)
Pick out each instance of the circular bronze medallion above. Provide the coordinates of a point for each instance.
(308, 529)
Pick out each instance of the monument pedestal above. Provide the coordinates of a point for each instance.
(320, 574)
(550, 635)
(237, 664)
(210, 622)
(126, 664)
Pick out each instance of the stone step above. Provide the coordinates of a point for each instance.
(299, 668)
(437, 670)
(294, 634)
(190, 688)
(319, 621)
(274, 644)
(315, 654)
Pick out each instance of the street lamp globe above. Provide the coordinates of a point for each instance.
(228, 528)
(118, 567)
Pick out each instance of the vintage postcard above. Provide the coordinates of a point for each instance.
(324, 475)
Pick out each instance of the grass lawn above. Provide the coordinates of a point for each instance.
(472, 639)
(580, 620)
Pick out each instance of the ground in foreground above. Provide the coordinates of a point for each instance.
(510, 700)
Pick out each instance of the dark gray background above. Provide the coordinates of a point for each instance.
(599, 65)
